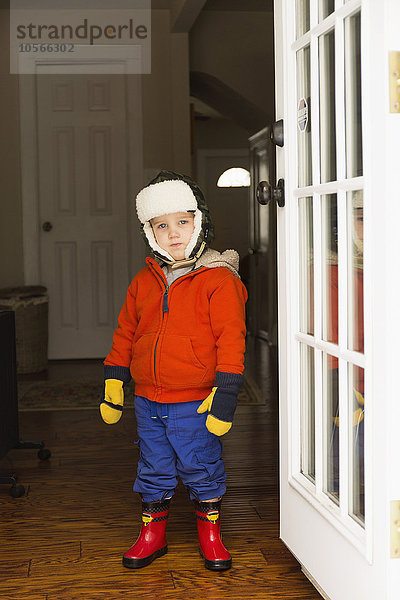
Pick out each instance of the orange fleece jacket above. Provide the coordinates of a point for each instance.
(175, 338)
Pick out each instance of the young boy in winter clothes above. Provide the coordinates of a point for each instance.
(181, 337)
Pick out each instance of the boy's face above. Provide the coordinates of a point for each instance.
(173, 232)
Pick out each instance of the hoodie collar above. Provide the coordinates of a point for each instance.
(209, 259)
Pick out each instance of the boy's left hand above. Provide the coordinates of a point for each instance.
(221, 403)
(216, 426)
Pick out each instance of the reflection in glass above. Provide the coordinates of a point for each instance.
(326, 7)
(304, 117)
(306, 265)
(352, 40)
(302, 17)
(355, 219)
(329, 268)
(307, 400)
(331, 434)
(327, 119)
(356, 437)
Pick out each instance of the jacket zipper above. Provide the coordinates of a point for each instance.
(165, 310)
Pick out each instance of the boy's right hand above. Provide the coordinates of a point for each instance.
(111, 405)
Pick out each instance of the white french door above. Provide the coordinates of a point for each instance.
(338, 484)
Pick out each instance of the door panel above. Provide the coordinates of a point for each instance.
(82, 176)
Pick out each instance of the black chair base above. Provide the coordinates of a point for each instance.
(17, 490)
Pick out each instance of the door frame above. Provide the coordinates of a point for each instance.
(29, 168)
(261, 141)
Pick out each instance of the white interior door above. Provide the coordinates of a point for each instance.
(83, 207)
(338, 481)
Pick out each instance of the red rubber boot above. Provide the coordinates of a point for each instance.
(216, 556)
(151, 543)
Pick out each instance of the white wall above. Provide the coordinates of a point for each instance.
(166, 116)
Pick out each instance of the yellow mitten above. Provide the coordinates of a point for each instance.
(221, 403)
(111, 405)
(214, 425)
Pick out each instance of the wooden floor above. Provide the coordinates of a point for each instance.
(64, 539)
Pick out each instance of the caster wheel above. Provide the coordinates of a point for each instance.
(44, 454)
(17, 490)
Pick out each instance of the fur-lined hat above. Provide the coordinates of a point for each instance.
(168, 193)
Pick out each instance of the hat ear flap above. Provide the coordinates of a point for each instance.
(196, 232)
(149, 233)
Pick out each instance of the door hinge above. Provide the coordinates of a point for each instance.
(395, 529)
(394, 81)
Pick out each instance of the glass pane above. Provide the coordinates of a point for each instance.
(327, 117)
(355, 218)
(356, 421)
(302, 17)
(326, 7)
(352, 40)
(306, 265)
(331, 412)
(303, 117)
(307, 399)
(329, 268)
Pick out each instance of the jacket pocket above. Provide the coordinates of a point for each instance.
(178, 364)
(142, 359)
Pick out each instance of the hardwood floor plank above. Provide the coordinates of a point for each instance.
(32, 547)
(256, 582)
(6, 596)
(91, 582)
(11, 569)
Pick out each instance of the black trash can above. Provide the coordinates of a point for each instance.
(30, 304)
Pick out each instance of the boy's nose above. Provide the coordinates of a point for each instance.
(173, 233)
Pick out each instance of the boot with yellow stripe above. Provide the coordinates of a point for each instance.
(216, 556)
(151, 543)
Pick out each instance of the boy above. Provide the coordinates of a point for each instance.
(181, 337)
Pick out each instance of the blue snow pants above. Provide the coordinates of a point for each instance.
(174, 441)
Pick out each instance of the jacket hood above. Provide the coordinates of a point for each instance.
(167, 198)
(212, 258)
